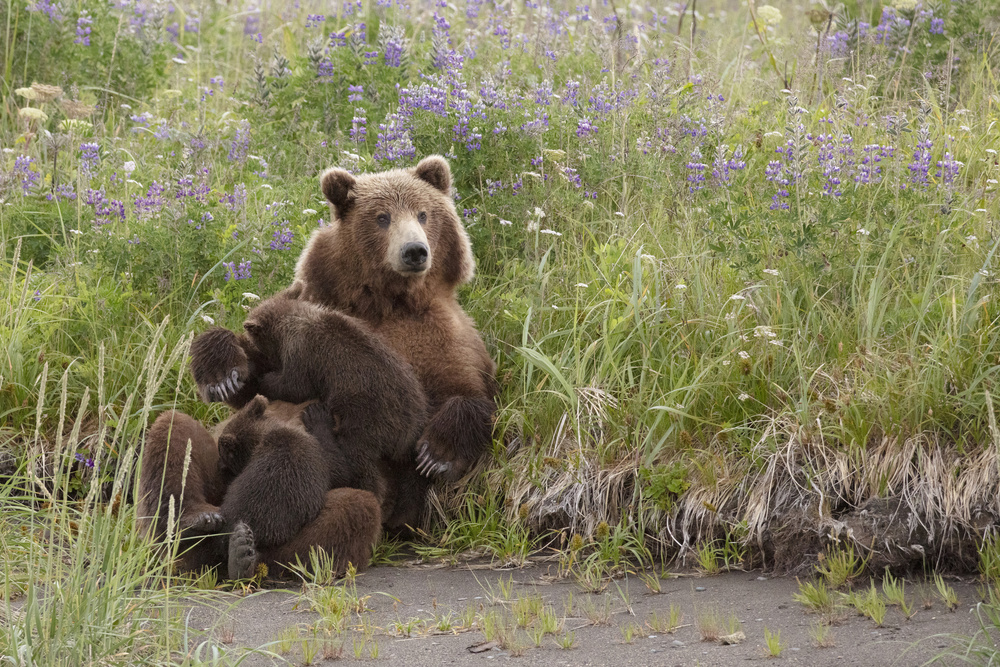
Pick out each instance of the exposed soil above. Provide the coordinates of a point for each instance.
(434, 597)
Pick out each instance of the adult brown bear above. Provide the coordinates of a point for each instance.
(394, 257)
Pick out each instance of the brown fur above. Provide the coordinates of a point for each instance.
(346, 524)
(370, 406)
(350, 266)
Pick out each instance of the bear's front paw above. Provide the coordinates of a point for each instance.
(432, 462)
(219, 365)
(205, 522)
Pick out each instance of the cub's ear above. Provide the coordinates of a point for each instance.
(253, 327)
(257, 406)
(434, 169)
(338, 187)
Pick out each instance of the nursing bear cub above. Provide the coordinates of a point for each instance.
(369, 407)
(393, 257)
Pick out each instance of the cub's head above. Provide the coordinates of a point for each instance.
(402, 221)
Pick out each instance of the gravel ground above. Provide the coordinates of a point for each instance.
(430, 599)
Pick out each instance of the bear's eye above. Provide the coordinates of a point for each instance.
(422, 218)
(383, 220)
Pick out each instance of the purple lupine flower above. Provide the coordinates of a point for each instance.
(24, 174)
(192, 24)
(251, 25)
(573, 177)
(90, 157)
(394, 50)
(359, 123)
(371, 57)
(869, 171)
(235, 201)
(838, 43)
(47, 7)
(106, 210)
(585, 128)
(240, 145)
(351, 6)
(723, 166)
(394, 140)
(835, 158)
(947, 169)
(63, 191)
(186, 188)
(162, 131)
(696, 171)
(571, 94)
(282, 238)
(543, 94)
(937, 26)
(338, 38)
(86, 461)
(141, 120)
(325, 70)
(493, 187)
(313, 20)
(921, 162)
(355, 93)
(37, 296)
(775, 172)
(152, 204)
(237, 272)
(83, 29)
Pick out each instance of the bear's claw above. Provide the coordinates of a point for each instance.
(227, 388)
(206, 522)
(242, 553)
(427, 465)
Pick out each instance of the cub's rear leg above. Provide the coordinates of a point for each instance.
(196, 499)
(347, 528)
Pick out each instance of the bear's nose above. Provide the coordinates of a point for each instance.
(414, 256)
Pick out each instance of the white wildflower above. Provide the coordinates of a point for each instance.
(75, 231)
(207, 319)
(863, 231)
(762, 331)
(743, 396)
(680, 286)
(539, 213)
(737, 297)
(550, 231)
(506, 223)
(772, 272)
(309, 211)
(775, 342)
(180, 61)
(744, 354)
(619, 214)
(128, 168)
(769, 15)
(583, 285)
(251, 296)
(726, 362)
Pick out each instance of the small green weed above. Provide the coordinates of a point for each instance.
(772, 640)
(821, 635)
(840, 566)
(946, 593)
(815, 596)
(895, 594)
(666, 624)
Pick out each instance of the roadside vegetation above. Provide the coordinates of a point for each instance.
(737, 267)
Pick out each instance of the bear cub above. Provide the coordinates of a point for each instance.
(369, 406)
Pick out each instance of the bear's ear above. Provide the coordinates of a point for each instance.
(257, 406)
(253, 327)
(434, 169)
(338, 187)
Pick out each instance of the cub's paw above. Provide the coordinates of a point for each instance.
(243, 556)
(219, 364)
(318, 421)
(204, 522)
(435, 462)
